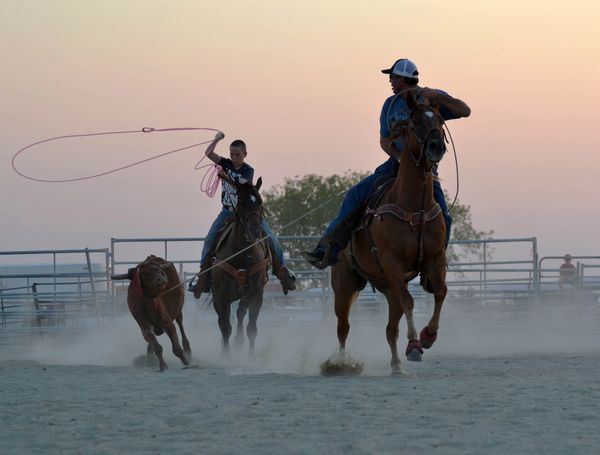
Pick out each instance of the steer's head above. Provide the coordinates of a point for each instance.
(153, 276)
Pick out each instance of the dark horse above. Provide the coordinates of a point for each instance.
(240, 266)
(403, 235)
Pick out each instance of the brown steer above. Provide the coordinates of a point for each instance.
(155, 299)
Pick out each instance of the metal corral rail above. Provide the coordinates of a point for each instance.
(52, 290)
(586, 277)
(481, 273)
(69, 289)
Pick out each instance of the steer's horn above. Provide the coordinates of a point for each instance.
(166, 265)
(123, 276)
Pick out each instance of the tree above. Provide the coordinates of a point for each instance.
(303, 206)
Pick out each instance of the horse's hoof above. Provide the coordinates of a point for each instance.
(414, 351)
(426, 339)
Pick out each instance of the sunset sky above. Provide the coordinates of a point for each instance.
(300, 82)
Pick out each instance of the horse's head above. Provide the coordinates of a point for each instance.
(249, 211)
(426, 130)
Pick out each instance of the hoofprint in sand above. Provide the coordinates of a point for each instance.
(494, 383)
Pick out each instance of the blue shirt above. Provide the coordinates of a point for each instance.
(228, 192)
(395, 110)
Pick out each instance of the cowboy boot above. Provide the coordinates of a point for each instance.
(324, 254)
(203, 281)
(286, 278)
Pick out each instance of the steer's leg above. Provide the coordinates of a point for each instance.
(186, 343)
(177, 349)
(156, 347)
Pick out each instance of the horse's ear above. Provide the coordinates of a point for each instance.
(258, 183)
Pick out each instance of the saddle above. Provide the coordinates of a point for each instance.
(374, 209)
(223, 234)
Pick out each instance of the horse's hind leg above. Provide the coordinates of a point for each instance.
(177, 349)
(346, 285)
(186, 343)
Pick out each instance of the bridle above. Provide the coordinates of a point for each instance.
(243, 219)
(422, 141)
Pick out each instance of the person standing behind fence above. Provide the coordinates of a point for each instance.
(567, 273)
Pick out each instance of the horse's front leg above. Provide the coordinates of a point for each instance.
(392, 330)
(239, 331)
(401, 298)
(414, 350)
(224, 312)
(254, 306)
(437, 278)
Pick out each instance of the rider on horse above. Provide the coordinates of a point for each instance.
(238, 171)
(404, 77)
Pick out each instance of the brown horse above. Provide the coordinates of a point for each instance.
(402, 236)
(155, 298)
(240, 266)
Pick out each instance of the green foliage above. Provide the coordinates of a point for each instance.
(299, 195)
(462, 229)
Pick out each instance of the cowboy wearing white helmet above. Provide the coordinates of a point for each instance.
(404, 77)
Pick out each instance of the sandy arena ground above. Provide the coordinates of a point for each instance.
(499, 380)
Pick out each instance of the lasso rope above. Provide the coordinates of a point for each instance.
(210, 180)
(143, 130)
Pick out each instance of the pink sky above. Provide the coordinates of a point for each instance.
(300, 83)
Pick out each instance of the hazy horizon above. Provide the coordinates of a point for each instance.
(301, 84)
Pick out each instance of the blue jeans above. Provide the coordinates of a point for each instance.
(359, 194)
(211, 237)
